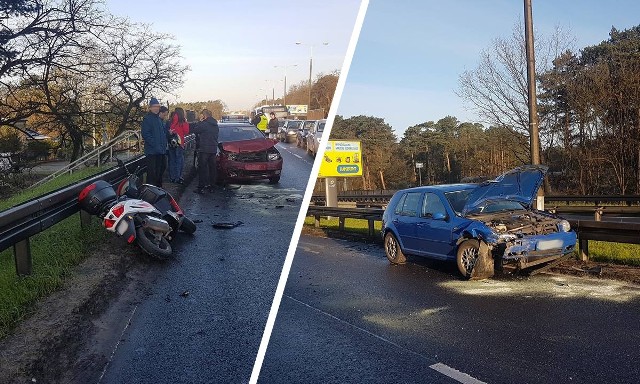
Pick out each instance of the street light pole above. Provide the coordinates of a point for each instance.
(284, 94)
(310, 72)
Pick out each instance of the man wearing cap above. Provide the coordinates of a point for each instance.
(154, 134)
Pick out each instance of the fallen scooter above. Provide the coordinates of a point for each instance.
(162, 200)
(134, 219)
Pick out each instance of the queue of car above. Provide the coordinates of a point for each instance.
(305, 133)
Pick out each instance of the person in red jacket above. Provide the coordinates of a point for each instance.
(178, 128)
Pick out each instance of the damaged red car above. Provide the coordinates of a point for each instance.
(245, 154)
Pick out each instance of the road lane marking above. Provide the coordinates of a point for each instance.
(444, 369)
(113, 353)
(282, 147)
(456, 375)
(360, 329)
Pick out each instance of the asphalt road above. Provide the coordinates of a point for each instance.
(202, 315)
(349, 316)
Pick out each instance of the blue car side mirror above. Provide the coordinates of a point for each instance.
(439, 216)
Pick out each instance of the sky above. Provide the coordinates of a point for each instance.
(410, 54)
(234, 46)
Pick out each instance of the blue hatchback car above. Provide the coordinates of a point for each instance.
(481, 226)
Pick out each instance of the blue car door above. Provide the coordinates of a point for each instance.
(405, 219)
(433, 230)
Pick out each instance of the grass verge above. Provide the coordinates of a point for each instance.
(59, 182)
(54, 252)
(617, 253)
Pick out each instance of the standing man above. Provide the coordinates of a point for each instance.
(261, 122)
(164, 116)
(207, 132)
(154, 135)
(273, 126)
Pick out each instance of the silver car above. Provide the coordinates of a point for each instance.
(289, 131)
(314, 137)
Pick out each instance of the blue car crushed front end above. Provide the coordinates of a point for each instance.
(528, 246)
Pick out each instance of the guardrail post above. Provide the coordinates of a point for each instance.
(317, 221)
(22, 256)
(371, 228)
(85, 218)
(584, 249)
(598, 214)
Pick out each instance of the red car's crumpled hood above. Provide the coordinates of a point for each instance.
(253, 145)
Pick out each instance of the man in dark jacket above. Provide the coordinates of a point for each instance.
(273, 126)
(206, 131)
(155, 143)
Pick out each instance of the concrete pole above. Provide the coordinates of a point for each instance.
(331, 189)
(534, 137)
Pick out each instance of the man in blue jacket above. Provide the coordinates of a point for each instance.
(154, 134)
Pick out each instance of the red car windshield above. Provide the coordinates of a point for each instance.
(228, 134)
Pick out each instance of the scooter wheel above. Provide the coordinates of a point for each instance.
(153, 243)
(188, 226)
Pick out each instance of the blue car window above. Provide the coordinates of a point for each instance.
(458, 199)
(398, 209)
(432, 204)
(411, 204)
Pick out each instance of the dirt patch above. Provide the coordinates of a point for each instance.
(43, 346)
(596, 269)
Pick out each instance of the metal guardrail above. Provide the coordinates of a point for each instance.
(586, 229)
(385, 196)
(632, 207)
(95, 154)
(19, 223)
(370, 214)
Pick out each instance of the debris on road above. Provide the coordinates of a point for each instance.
(227, 225)
(184, 294)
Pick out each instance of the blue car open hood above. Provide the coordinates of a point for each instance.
(520, 184)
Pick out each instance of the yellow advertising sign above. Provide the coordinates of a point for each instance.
(341, 159)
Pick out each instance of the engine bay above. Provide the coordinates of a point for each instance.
(523, 224)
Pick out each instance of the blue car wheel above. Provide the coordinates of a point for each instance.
(467, 256)
(392, 249)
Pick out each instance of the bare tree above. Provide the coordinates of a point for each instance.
(39, 38)
(135, 64)
(497, 88)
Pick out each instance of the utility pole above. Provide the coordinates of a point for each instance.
(534, 142)
(534, 137)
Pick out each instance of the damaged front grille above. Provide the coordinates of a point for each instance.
(528, 224)
(251, 157)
